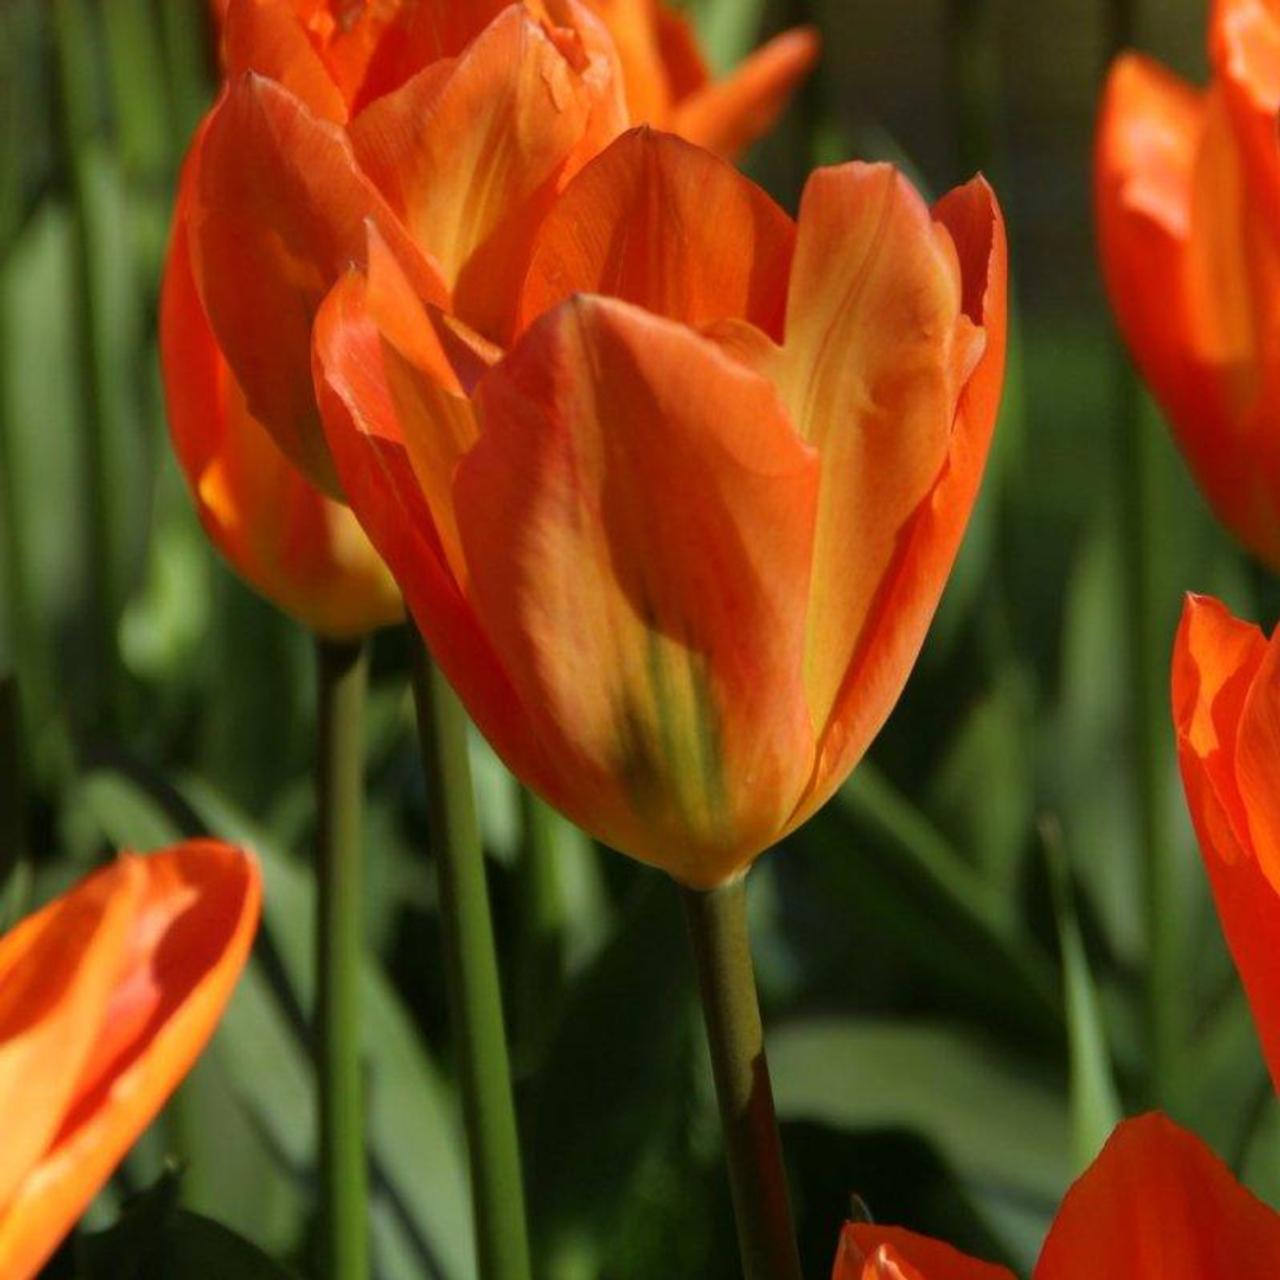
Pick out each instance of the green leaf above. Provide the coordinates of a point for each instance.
(197, 1248)
(155, 1240)
(124, 1250)
(1095, 1101)
(615, 1081)
(1004, 1132)
(414, 1133)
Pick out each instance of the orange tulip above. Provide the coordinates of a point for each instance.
(679, 546)
(1226, 710)
(665, 72)
(448, 126)
(107, 996)
(1188, 212)
(1155, 1205)
(301, 550)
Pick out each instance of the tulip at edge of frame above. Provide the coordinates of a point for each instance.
(107, 997)
(1226, 714)
(1188, 224)
(1156, 1204)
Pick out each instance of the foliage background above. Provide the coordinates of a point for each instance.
(953, 956)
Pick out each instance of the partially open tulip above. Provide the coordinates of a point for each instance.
(1155, 1205)
(665, 73)
(303, 551)
(107, 996)
(450, 127)
(1226, 710)
(678, 546)
(1188, 213)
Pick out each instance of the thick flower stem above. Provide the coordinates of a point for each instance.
(343, 675)
(475, 994)
(753, 1150)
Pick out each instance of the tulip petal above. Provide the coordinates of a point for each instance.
(191, 923)
(302, 551)
(728, 115)
(634, 30)
(267, 37)
(279, 214)
(877, 351)
(646, 584)
(397, 425)
(471, 159)
(1158, 1203)
(927, 545)
(56, 973)
(661, 224)
(1216, 662)
(1258, 761)
(414, 36)
(870, 1252)
(1244, 45)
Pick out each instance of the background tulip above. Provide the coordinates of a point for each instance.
(667, 80)
(1155, 1205)
(731, 482)
(303, 551)
(1189, 233)
(1226, 710)
(107, 996)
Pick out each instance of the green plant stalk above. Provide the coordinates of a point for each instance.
(76, 79)
(475, 994)
(539, 961)
(753, 1149)
(342, 670)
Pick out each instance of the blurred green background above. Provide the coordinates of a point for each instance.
(954, 956)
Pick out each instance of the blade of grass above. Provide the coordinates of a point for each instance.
(1095, 1101)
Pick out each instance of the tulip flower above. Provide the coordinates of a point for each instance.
(1226, 711)
(678, 546)
(300, 549)
(1188, 214)
(448, 127)
(107, 996)
(1155, 1205)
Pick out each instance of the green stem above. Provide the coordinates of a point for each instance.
(539, 961)
(342, 678)
(475, 995)
(77, 76)
(753, 1150)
